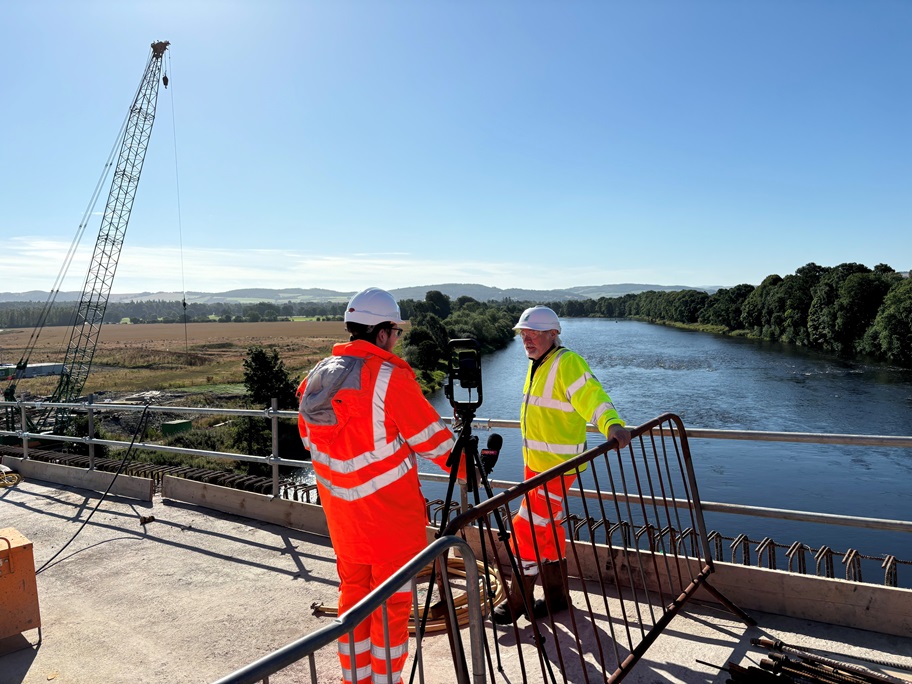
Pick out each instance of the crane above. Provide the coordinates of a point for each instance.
(96, 291)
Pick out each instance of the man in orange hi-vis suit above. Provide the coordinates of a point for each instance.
(363, 417)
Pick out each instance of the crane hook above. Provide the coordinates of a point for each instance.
(165, 80)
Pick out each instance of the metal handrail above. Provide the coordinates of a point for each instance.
(487, 424)
(747, 435)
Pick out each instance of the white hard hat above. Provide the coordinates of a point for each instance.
(538, 318)
(372, 307)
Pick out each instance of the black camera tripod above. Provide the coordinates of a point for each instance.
(465, 367)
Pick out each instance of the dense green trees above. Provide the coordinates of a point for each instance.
(890, 336)
(724, 308)
(437, 320)
(265, 378)
(847, 310)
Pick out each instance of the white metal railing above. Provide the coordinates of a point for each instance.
(274, 461)
(273, 415)
(92, 409)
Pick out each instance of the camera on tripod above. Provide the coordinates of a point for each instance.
(463, 375)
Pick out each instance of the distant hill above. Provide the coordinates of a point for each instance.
(621, 289)
(482, 293)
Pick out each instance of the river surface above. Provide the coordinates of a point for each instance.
(728, 383)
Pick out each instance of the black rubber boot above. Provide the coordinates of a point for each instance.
(557, 598)
(514, 607)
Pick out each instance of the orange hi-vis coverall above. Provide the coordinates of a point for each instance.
(560, 396)
(363, 417)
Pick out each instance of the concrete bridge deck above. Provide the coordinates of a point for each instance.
(195, 594)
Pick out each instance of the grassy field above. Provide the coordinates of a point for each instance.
(198, 357)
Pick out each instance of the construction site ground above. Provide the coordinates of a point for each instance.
(195, 594)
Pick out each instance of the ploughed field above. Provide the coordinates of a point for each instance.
(204, 357)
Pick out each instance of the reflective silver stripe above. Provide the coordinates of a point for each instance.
(530, 567)
(444, 447)
(535, 445)
(379, 402)
(428, 432)
(362, 646)
(372, 485)
(306, 440)
(394, 651)
(386, 679)
(534, 518)
(600, 410)
(546, 402)
(539, 520)
(552, 373)
(405, 588)
(361, 673)
(349, 465)
(576, 386)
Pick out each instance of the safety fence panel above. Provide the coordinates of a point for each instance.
(636, 550)
(461, 604)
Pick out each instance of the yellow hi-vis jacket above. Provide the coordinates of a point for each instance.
(558, 401)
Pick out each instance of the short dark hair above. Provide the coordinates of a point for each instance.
(360, 331)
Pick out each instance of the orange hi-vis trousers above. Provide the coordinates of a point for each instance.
(357, 580)
(532, 528)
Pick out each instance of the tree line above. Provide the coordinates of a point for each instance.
(848, 310)
(27, 314)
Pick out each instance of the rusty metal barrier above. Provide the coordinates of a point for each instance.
(630, 576)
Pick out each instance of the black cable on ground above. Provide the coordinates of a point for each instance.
(140, 428)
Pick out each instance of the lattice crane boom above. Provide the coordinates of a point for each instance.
(100, 277)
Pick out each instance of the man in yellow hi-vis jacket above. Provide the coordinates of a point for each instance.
(560, 396)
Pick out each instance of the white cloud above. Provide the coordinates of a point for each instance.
(32, 264)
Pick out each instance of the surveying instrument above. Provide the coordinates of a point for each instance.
(465, 393)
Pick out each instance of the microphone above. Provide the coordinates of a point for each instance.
(491, 451)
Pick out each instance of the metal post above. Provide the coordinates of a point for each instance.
(91, 433)
(275, 447)
(23, 427)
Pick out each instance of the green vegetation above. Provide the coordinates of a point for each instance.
(266, 378)
(437, 320)
(847, 310)
(27, 314)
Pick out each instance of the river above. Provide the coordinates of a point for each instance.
(731, 383)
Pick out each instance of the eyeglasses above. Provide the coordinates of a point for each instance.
(525, 333)
(399, 331)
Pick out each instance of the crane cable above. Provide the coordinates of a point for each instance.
(68, 259)
(140, 429)
(180, 229)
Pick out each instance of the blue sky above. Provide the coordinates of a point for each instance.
(343, 144)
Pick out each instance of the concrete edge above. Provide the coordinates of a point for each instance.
(141, 488)
(296, 515)
(873, 607)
